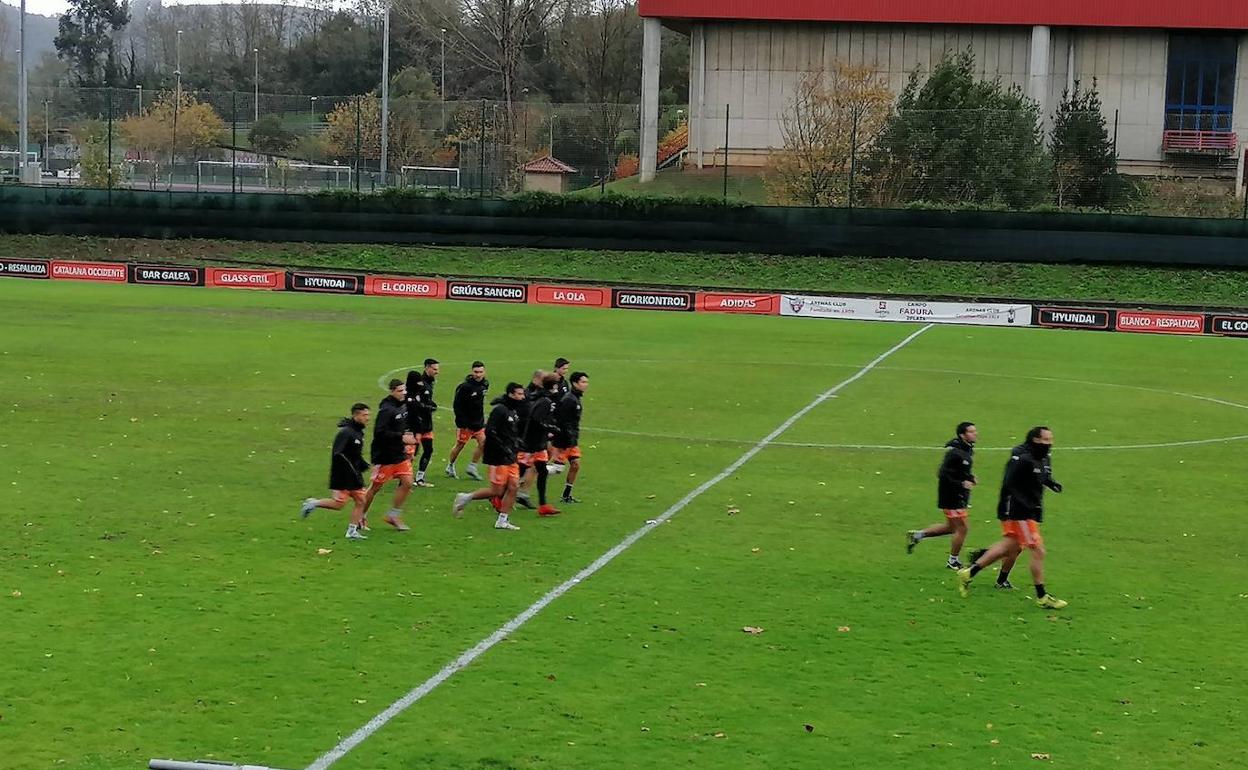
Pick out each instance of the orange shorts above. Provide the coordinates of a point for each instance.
(342, 495)
(383, 473)
(528, 458)
(958, 514)
(468, 434)
(1027, 532)
(571, 453)
(501, 474)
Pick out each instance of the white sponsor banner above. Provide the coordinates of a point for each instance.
(867, 309)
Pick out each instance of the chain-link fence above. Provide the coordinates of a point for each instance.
(830, 155)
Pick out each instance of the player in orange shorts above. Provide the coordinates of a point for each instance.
(538, 427)
(391, 438)
(567, 438)
(955, 480)
(346, 471)
(420, 409)
(502, 441)
(1021, 510)
(469, 407)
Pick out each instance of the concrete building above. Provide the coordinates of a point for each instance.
(1175, 73)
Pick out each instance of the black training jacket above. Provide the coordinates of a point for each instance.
(1022, 489)
(539, 424)
(568, 418)
(388, 430)
(347, 465)
(420, 405)
(469, 403)
(955, 469)
(502, 433)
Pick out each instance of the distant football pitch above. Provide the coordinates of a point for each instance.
(161, 597)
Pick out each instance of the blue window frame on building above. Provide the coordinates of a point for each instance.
(1200, 82)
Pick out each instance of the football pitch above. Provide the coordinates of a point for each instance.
(161, 597)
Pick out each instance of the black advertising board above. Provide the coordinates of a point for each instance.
(324, 283)
(23, 268)
(487, 291)
(167, 275)
(646, 299)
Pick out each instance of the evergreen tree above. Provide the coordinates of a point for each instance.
(1084, 166)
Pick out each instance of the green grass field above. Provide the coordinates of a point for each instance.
(160, 596)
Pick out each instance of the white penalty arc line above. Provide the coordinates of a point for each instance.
(466, 658)
(913, 448)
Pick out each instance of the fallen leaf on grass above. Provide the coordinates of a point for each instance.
(645, 729)
(720, 735)
(754, 550)
(324, 551)
(551, 677)
(16, 594)
(752, 630)
(809, 728)
(843, 629)
(733, 510)
(1041, 756)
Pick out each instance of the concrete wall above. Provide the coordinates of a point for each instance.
(753, 68)
(550, 183)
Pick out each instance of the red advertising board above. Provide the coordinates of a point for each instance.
(758, 304)
(1160, 323)
(578, 296)
(107, 272)
(404, 286)
(231, 278)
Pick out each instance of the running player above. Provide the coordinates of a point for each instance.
(568, 435)
(1021, 510)
(502, 439)
(469, 406)
(420, 413)
(953, 493)
(534, 388)
(561, 369)
(391, 438)
(346, 471)
(535, 438)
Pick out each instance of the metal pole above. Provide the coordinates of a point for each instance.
(47, 131)
(140, 88)
(727, 116)
(444, 80)
(109, 167)
(481, 156)
(233, 146)
(385, 95)
(358, 160)
(853, 159)
(553, 117)
(23, 119)
(256, 82)
(1111, 201)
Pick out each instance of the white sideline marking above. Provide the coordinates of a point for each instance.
(450, 669)
(915, 448)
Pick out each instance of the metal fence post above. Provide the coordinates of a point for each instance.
(109, 166)
(727, 117)
(481, 156)
(853, 160)
(359, 161)
(233, 148)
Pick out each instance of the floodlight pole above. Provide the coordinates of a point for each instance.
(256, 85)
(385, 95)
(23, 118)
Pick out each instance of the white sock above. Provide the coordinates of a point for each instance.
(918, 536)
(472, 466)
(395, 512)
(420, 475)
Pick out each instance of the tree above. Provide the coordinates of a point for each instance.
(494, 35)
(199, 127)
(94, 165)
(825, 127)
(271, 136)
(1084, 166)
(341, 59)
(409, 143)
(85, 40)
(955, 139)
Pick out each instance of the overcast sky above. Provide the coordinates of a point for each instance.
(57, 7)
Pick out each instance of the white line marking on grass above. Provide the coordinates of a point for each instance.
(906, 448)
(465, 659)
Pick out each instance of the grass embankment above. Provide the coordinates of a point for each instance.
(1130, 284)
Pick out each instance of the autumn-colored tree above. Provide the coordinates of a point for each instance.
(198, 127)
(410, 144)
(826, 125)
(95, 167)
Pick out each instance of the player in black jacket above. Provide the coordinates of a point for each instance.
(561, 369)
(954, 482)
(536, 430)
(502, 443)
(469, 406)
(1021, 509)
(346, 471)
(420, 409)
(568, 436)
(390, 453)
